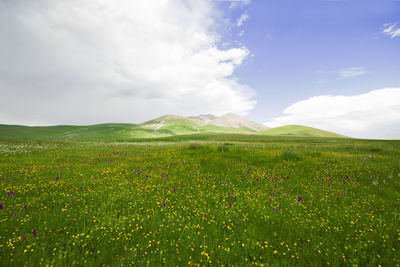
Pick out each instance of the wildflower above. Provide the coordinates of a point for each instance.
(183, 185)
(22, 238)
(276, 210)
(342, 193)
(230, 205)
(163, 204)
(34, 232)
(25, 206)
(15, 214)
(57, 178)
(1, 206)
(299, 198)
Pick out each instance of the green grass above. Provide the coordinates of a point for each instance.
(299, 130)
(227, 202)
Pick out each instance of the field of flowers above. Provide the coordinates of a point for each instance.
(308, 202)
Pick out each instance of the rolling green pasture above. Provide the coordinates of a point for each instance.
(273, 202)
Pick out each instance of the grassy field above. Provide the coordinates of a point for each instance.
(267, 201)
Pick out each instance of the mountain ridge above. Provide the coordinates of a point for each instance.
(164, 126)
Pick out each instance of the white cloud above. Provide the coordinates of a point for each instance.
(351, 72)
(79, 62)
(392, 30)
(345, 73)
(369, 115)
(242, 19)
(237, 3)
(241, 33)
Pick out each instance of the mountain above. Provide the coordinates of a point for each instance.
(234, 121)
(168, 125)
(301, 131)
(391, 137)
(228, 123)
(165, 126)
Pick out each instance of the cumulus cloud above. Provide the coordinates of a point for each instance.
(370, 115)
(242, 19)
(80, 62)
(393, 30)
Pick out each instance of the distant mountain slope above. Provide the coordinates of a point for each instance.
(66, 132)
(391, 137)
(235, 121)
(165, 126)
(301, 131)
(177, 125)
(169, 125)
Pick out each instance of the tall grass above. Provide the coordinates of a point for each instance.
(204, 203)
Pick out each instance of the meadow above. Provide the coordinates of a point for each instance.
(273, 202)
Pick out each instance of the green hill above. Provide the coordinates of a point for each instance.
(300, 131)
(163, 127)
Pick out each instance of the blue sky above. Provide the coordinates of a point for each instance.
(328, 64)
(300, 46)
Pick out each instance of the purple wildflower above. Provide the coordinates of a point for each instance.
(22, 238)
(183, 185)
(299, 198)
(34, 232)
(163, 204)
(25, 206)
(57, 178)
(15, 214)
(342, 193)
(276, 210)
(1, 206)
(230, 205)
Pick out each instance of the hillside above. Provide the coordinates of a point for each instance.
(162, 127)
(301, 131)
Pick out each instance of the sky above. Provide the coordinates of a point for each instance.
(330, 64)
